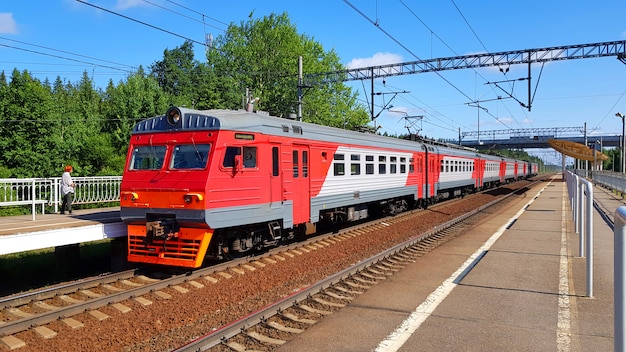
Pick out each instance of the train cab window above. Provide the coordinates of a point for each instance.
(249, 156)
(147, 158)
(190, 156)
(382, 164)
(229, 156)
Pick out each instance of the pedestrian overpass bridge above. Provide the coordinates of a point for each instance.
(538, 142)
(533, 138)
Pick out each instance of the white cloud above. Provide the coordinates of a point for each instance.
(376, 60)
(7, 24)
(127, 4)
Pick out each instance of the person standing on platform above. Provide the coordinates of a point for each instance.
(67, 189)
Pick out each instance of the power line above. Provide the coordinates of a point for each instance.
(451, 49)
(377, 25)
(64, 58)
(141, 22)
(66, 52)
(183, 15)
(196, 12)
(470, 26)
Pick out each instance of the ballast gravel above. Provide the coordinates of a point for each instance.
(169, 323)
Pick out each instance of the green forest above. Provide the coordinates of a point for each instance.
(48, 124)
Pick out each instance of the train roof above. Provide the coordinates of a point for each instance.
(254, 122)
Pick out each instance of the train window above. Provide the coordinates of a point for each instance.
(190, 156)
(229, 156)
(442, 166)
(355, 168)
(369, 158)
(338, 157)
(148, 158)
(295, 163)
(369, 169)
(403, 168)
(392, 164)
(275, 163)
(382, 164)
(339, 169)
(305, 163)
(249, 157)
(411, 165)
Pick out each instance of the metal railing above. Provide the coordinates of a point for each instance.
(613, 180)
(46, 191)
(580, 192)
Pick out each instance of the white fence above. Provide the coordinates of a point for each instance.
(46, 191)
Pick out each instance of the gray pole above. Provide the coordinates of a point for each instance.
(589, 234)
(619, 276)
(621, 142)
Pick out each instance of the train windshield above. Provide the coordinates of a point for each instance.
(148, 158)
(190, 156)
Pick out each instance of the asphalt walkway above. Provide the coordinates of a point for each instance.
(513, 283)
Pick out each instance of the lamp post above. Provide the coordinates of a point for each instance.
(621, 116)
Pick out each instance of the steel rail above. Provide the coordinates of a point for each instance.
(228, 331)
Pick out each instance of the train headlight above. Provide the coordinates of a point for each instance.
(173, 116)
(130, 195)
(190, 197)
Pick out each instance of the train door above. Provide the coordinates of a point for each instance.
(479, 172)
(276, 178)
(433, 172)
(421, 175)
(301, 186)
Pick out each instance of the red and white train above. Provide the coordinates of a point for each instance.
(218, 183)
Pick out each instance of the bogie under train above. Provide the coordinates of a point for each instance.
(221, 183)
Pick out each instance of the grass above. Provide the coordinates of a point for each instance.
(24, 271)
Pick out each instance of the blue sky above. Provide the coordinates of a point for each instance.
(66, 37)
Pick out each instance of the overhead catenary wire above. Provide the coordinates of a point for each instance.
(141, 22)
(377, 25)
(68, 52)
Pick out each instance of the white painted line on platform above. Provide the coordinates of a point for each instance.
(563, 331)
(397, 338)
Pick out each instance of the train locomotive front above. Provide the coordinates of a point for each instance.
(189, 185)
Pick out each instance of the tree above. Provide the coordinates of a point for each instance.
(126, 104)
(262, 54)
(27, 141)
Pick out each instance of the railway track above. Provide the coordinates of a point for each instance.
(33, 311)
(273, 325)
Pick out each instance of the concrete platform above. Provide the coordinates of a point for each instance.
(513, 283)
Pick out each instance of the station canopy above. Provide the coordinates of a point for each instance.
(577, 150)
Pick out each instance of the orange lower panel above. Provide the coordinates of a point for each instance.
(186, 250)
